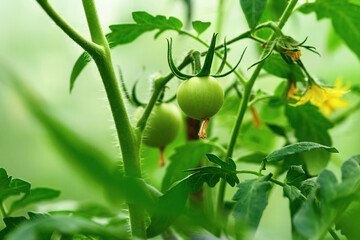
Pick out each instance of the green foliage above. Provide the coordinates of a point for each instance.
(36, 195)
(172, 203)
(310, 125)
(328, 200)
(253, 10)
(127, 33)
(64, 225)
(184, 157)
(299, 147)
(347, 222)
(200, 26)
(256, 157)
(273, 11)
(345, 19)
(277, 66)
(79, 65)
(10, 224)
(144, 22)
(10, 187)
(251, 200)
(87, 158)
(295, 176)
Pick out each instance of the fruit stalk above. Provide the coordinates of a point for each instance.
(202, 131)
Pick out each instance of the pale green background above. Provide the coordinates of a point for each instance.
(37, 50)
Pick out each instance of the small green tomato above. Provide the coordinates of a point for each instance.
(162, 127)
(200, 97)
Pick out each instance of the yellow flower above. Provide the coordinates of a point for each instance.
(327, 99)
(292, 92)
(333, 101)
(295, 55)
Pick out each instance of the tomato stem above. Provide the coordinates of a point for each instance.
(202, 132)
(255, 117)
(161, 162)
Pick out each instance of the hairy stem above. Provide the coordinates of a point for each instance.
(129, 143)
(244, 104)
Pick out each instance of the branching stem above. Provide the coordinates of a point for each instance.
(91, 47)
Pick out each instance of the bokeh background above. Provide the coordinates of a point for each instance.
(38, 51)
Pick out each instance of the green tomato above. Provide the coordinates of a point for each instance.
(163, 125)
(200, 97)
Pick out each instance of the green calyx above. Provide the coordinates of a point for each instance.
(206, 68)
(287, 43)
(284, 44)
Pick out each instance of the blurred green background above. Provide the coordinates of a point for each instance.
(33, 46)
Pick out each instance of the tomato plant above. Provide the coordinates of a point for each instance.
(280, 120)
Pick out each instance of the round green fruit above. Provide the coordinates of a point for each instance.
(200, 97)
(163, 125)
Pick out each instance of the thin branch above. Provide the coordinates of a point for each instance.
(158, 86)
(90, 47)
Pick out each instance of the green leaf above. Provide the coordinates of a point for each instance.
(172, 203)
(200, 26)
(299, 147)
(272, 12)
(277, 129)
(126, 33)
(346, 223)
(64, 225)
(10, 224)
(333, 41)
(144, 22)
(295, 176)
(256, 157)
(79, 65)
(328, 200)
(36, 195)
(275, 65)
(4, 179)
(291, 192)
(310, 125)
(251, 200)
(10, 187)
(253, 10)
(345, 19)
(184, 157)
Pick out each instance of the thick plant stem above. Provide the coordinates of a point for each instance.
(244, 104)
(129, 143)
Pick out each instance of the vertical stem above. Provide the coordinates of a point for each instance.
(220, 16)
(243, 106)
(3, 209)
(129, 142)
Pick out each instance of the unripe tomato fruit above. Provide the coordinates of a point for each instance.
(200, 97)
(163, 125)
